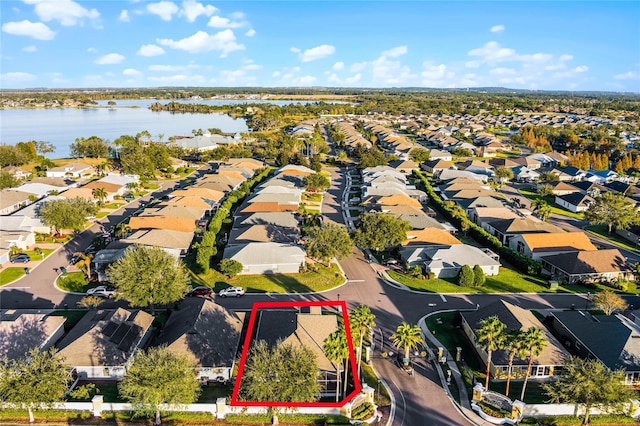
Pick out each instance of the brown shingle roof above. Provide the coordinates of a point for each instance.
(182, 224)
(430, 236)
(578, 240)
(589, 262)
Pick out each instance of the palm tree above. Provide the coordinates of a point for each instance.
(533, 342)
(337, 351)
(512, 344)
(489, 337)
(361, 321)
(100, 194)
(84, 262)
(407, 337)
(121, 229)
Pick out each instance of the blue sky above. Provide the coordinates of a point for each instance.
(542, 45)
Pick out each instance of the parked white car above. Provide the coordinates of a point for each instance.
(231, 292)
(102, 291)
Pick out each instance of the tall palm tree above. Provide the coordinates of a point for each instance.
(132, 186)
(489, 337)
(512, 344)
(121, 229)
(100, 194)
(336, 352)
(533, 342)
(361, 320)
(84, 262)
(407, 337)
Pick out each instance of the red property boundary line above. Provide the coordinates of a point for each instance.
(271, 305)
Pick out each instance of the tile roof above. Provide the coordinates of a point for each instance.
(555, 240)
(589, 261)
(522, 225)
(430, 236)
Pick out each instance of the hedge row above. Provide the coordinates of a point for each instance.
(207, 247)
(458, 217)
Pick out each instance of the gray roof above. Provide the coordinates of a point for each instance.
(285, 219)
(611, 338)
(21, 331)
(458, 255)
(205, 331)
(265, 253)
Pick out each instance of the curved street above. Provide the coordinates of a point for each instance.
(420, 399)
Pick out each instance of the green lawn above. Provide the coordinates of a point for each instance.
(602, 231)
(10, 274)
(307, 196)
(35, 256)
(210, 393)
(311, 281)
(507, 281)
(103, 214)
(113, 206)
(550, 199)
(73, 281)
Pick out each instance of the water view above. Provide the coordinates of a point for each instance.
(61, 126)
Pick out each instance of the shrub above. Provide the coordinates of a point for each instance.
(465, 276)
(230, 267)
(478, 276)
(363, 412)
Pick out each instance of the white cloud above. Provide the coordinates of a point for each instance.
(220, 22)
(36, 30)
(164, 9)
(14, 78)
(433, 75)
(358, 66)
(179, 78)
(109, 59)
(250, 33)
(294, 49)
(249, 65)
(67, 12)
(503, 71)
(305, 80)
(492, 53)
(317, 52)
(395, 52)
(275, 74)
(124, 16)
(353, 80)
(629, 75)
(338, 66)
(224, 41)
(580, 68)
(30, 49)
(166, 68)
(132, 72)
(192, 9)
(92, 50)
(150, 50)
(497, 29)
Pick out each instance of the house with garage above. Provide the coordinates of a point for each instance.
(446, 261)
(207, 333)
(305, 326)
(102, 343)
(176, 243)
(11, 200)
(549, 363)
(614, 340)
(506, 229)
(267, 257)
(436, 166)
(76, 169)
(588, 266)
(574, 202)
(536, 245)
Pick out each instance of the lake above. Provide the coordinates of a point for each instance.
(61, 126)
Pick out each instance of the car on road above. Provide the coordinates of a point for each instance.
(21, 258)
(201, 291)
(231, 292)
(102, 291)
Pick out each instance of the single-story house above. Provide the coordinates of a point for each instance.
(506, 229)
(263, 233)
(101, 344)
(176, 243)
(550, 361)
(525, 174)
(563, 188)
(588, 265)
(569, 174)
(267, 258)
(39, 189)
(76, 170)
(611, 339)
(574, 202)
(24, 330)
(173, 223)
(10, 200)
(433, 166)
(600, 176)
(436, 154)
(536, 245)
(308, 329)
(207, 333)
(107, 256)
(446, 262)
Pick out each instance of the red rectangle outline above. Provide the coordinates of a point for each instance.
(352, 359)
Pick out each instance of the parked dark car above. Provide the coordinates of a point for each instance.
(21, 258)
(201, 291)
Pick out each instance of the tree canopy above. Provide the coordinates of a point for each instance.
(145, 276)
(92, 147)
(316, 182)
(328, 241)
(230, 267)
(612, 209)
(609, 302)
(591, 384)
(68, 213)
(158, 376)
(407, 337)
(378, 231)
(284, 373)
(39, 378)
